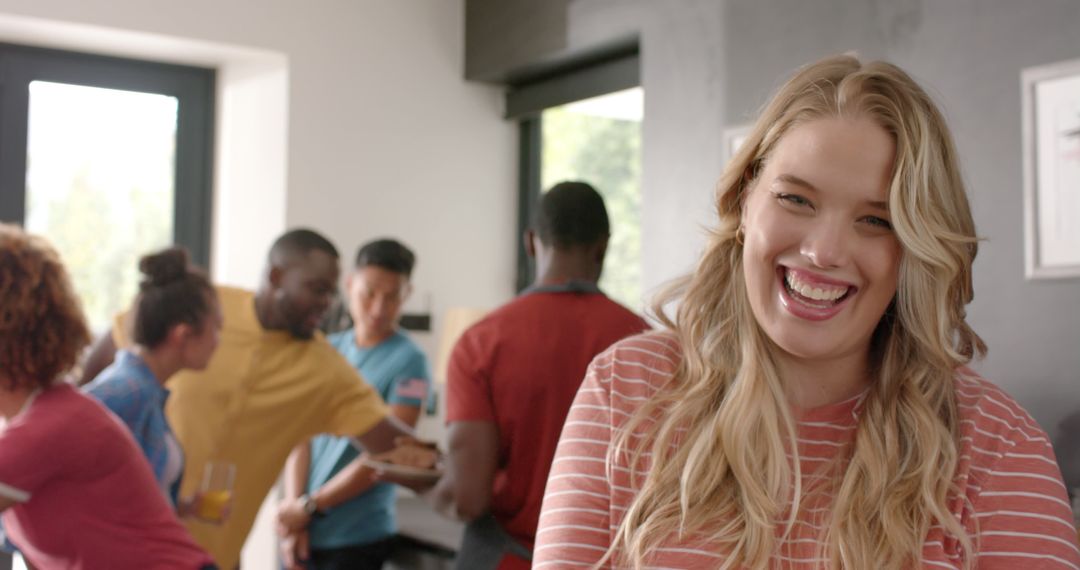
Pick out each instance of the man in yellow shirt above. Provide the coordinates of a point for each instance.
(273, 383)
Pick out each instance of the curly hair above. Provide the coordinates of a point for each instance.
(42, 328)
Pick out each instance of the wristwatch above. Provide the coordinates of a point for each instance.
(310, 507)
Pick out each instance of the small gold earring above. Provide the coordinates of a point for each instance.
(740, 235)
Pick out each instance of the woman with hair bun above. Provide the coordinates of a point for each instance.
(809, 405)
(175, 326)
(75, 491)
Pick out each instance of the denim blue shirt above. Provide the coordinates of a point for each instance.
(136, 396)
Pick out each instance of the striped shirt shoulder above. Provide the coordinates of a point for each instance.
(983, 402)
(993, 426)
(641, 363)
(1017, 503)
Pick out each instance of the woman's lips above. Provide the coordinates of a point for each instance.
(814, 279)
(810, 296)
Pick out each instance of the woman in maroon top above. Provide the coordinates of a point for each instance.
(75, 490)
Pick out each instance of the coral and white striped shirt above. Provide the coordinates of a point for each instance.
(1007, 473)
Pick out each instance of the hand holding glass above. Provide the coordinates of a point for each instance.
(215, 492)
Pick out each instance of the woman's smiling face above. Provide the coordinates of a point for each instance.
(820, 258)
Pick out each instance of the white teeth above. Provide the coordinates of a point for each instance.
(816, 293)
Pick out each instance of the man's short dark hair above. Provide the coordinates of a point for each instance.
(571, 214)
(300, 241)
(388, 254)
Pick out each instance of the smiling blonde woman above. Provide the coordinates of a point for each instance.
(809, 405)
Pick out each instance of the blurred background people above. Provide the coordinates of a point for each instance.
(513, 375)
(272, 383)
(176, 326)
(75, 489)
(333, 508)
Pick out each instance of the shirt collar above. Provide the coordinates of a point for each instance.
(346, 343)
(572, 286)
(142, 374)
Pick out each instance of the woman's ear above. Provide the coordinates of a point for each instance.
(181, 332)
(749, 180)
(744, 198)
(749, 173)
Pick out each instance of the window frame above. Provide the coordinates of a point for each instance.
(193, 87)
(616, 69)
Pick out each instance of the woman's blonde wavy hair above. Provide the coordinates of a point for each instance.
(729, 479)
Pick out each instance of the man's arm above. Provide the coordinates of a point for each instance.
(101, 355)
(381, 437)
(464, 492)
(356, 477)
(291, 515)
(409, 415)
(296, 470)
(294, 540)
(352, 480)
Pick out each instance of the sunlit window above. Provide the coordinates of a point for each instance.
(598, 141)
(99, 184)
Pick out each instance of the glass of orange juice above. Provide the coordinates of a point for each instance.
(216, 491)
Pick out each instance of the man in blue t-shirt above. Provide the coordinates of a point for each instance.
(334, 515)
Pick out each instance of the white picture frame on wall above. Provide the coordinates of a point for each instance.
(1051, 158)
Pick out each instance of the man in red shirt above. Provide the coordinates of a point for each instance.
(513, 376)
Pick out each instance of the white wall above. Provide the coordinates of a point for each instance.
(681, 72)
(347, 116)
(1031, 327)
(383, 137)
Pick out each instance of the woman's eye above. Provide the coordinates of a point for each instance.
(793, 199)
(878, 222)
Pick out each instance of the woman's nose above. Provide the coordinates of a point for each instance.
(827, 245)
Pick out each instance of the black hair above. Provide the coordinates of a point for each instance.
(388, 254)
(172, 292)
(570, 214)
(300, 241)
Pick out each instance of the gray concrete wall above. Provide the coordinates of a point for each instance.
(971, 54)
(504, 37)
(707, 64)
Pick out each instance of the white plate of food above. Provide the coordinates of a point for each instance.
(404, 471)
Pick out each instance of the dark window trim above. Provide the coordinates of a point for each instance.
(527, 102)
(192, 86)
(597, 78)
(530, 145)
